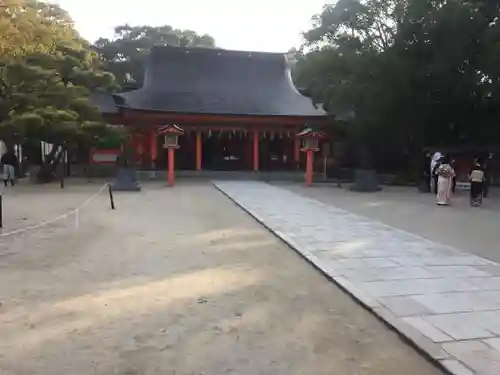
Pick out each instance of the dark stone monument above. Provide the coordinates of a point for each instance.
(126, 176)
(366, 181)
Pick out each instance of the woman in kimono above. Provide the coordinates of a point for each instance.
(445, 174)
(476, 178)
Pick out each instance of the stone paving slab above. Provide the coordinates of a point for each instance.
(444, 301)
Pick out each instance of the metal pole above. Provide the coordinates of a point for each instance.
(1, 212)
(111, 198)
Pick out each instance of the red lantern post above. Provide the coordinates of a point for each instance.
(171, 134)
(310, 144)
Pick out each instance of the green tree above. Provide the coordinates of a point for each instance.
(126, 53)
(416, 72)
(46, 77)
(344, 65)
(28, 26)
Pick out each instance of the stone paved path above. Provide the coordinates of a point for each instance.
(407, 209)
(174, 281)
(445, 301)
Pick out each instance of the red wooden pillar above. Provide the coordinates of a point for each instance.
(134, 146)
(248, 152)
(199, 151)
(171, 166)
(140, 149)
(171, 134)
(296, 151)
(311, 140)
(153, 148)
(309, 167)
(256, 150)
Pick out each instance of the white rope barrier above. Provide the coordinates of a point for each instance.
(60, 217)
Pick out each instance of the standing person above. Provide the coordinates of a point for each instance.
(435, 162)
(476, 178)
(454, 182)
(445, 174)
(487, 175)
(425, 174)
(9, 162)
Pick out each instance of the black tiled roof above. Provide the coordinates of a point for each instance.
(104, 101)
(214, 81)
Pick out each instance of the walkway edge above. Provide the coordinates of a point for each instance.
(430, 350)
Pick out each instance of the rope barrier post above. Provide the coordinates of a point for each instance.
(111, 198)
(63, 166)
(76, 212)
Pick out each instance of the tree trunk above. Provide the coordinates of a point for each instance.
(48, 170)
(366, 179)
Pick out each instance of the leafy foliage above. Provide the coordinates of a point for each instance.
(28, 26)
(47, 74)
(415, 72)
(125, 55)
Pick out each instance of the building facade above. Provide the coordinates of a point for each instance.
(239, 110)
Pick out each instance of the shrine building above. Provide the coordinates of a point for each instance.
(239, 110)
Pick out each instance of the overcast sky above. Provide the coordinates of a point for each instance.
(260, 25)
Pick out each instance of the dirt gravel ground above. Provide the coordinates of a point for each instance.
(175, 281)
(469, 229)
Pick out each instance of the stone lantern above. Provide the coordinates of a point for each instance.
(171, 135)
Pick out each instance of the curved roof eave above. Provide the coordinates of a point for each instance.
(171, 112)
(214, 81)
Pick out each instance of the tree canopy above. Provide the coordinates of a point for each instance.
(33, 26)
(415, 72)
(47, 74)
(126, 53)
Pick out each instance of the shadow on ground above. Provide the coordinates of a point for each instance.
(179, 281)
